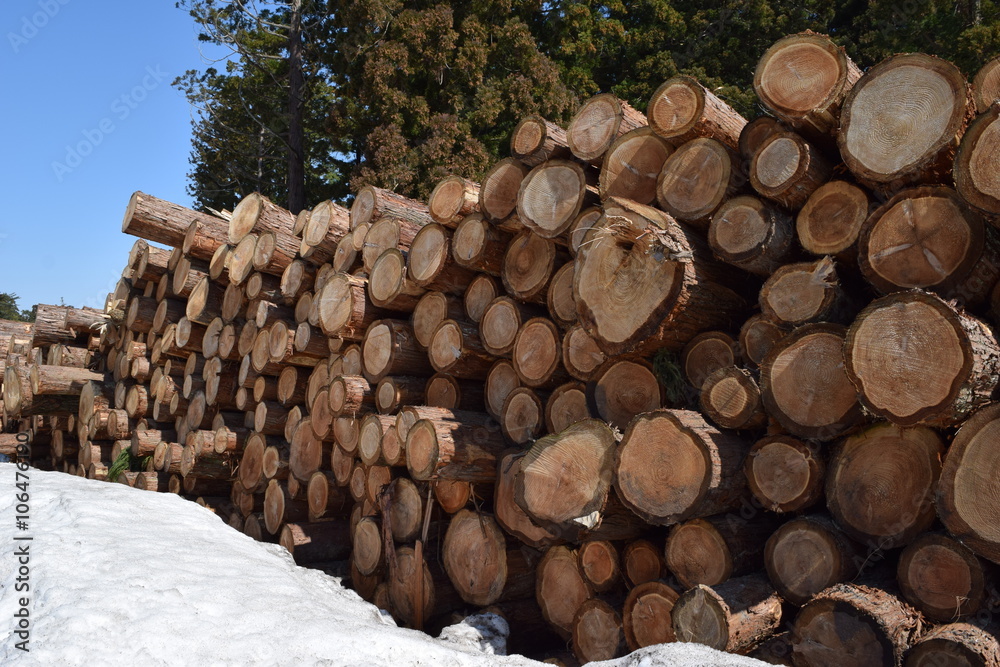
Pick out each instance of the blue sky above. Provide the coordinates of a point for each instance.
(89, 116)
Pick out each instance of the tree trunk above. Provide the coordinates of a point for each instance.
(647, 615)
(809, 554)
(751, 234)
(560, 589)
(712, 550)
(160, 221)
(785, 474)
(456, 349)
(536, 140)
(682, 109)
(599, 121)
(696, 179)
(255, 213)
(735, 616)
(788, 169)
(452, 199)
(467, 450)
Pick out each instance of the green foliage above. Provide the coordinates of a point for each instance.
(399, 93)
(9, 309)
(668, 371)
(120, 465)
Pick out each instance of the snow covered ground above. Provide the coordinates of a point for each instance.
(125, 577)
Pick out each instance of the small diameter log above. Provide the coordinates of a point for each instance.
(465, 451)
(479, 245)
(929, 238)
(551, 196)
(316, 541)
(256, 213)
(536, 140)
(730, 397)
(706, 353)
(808, 292)
(642, 562)
(559, 298)
(599, 121)
(204, 237)
(456, 349)
(751, 234)
(327, 224)
(406, 510)
(735, 616)
(160, 221)
(809, 554)
(696, 179)
(452, 199)
(561, 589)
(390, 348)
(480, 566)
(500, 323)
(898, 467)
(438, 595)
(445, 391)
(528, 266)
(928, 96)
(785, 474)
(941, 577)
(370, 434)
(141, 314)
(500, 381)
(955, 644)
(646, 615)
(965, 501)
(567, 404)
(803, 80)
(394, 392)
(372, 203)
(537, 353)
(565, 478)
(509, 514)
(280, 508)
(831, 219)
(787, 169)
(977, 161)
(622, 389)
(344, 308)
(429, 263)
(432, 309)
(757, 336)
(478, 295)
(672, 466)
(499, 187)
(805, 386)
(854, 625)
(350, 394)
(597, 632)
(986, 85)
(682, 109)
(205, 301)
(712, 550)
(522, 418)
(59, 380)
(581, 355)
(388, 285)
(646, 283)
(599, 564)
(914, 359)
(367, 554)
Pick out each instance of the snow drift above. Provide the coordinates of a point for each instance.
(126, 577)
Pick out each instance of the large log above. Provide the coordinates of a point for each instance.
(754, 235)
(599, 121)
(915, 359)
(965, 500)
(941, 577)
(672, 466)
(465, 450)
(809, 554)
(509, 514)
(645, 282)
(696, 179)
(160, 221)
(479, 564)
(551, 196)
(785, 474)
(927, 96)
(957, 644)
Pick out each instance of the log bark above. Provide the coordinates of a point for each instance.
(896, 340)
(467, 450)
(735, 616)
(160, 221)
(682, 109)
(850, 624)
(672, 466)
(956, 643)
(927, 95)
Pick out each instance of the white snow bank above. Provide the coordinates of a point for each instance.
(126, 577)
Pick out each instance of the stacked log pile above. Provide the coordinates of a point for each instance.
(657, 377)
